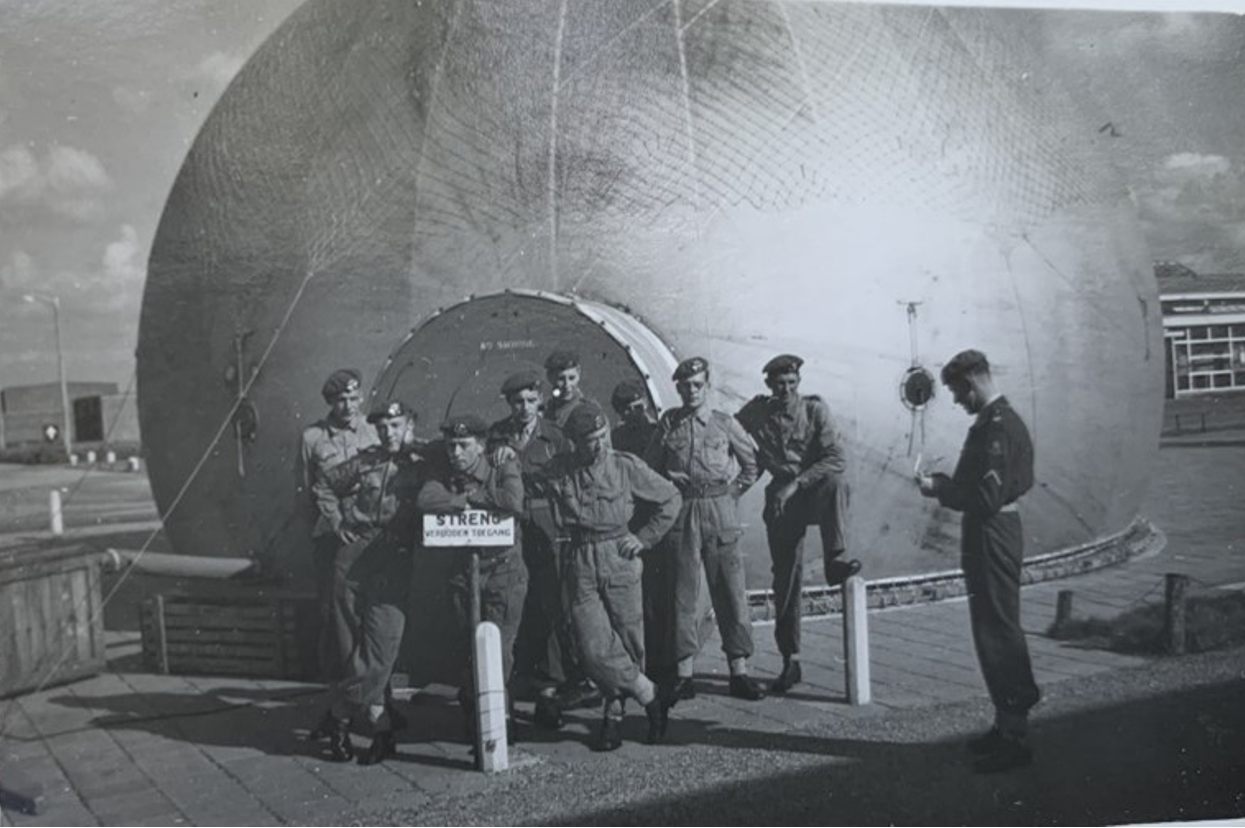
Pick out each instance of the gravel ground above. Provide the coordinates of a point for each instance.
(1163, 742)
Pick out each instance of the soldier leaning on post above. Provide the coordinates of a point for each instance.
(339, 436)
(563, 371)
(595, 494)
(995, 468)
(712, 460)
(799, 445)
(465, 477)
(376, 519)
(543, 651)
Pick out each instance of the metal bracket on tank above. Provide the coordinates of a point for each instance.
(917, 387)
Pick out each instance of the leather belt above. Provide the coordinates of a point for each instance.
(708, 490)
(580, 537)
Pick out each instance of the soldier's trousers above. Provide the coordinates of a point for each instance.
(992, 551)
(658, 595)
(544, 649)
(338, 619)
(503, 586)
(374, 580)
(607, 616)
(706, 534)
(823, 505)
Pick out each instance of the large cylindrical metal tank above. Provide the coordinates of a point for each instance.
(871, 187)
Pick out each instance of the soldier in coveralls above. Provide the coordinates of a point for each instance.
(543, 651)
(712, 460)
(994, 470)
(595, 492)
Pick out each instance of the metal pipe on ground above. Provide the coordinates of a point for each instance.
(187, 566)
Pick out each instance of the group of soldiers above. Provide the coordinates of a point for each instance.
(617, 524)
(599, 597)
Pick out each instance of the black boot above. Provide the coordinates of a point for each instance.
(658, 713)
(384, 744)
(323, 728)
(790, 676)
(341, 749)
(548, 713)
(610, 736)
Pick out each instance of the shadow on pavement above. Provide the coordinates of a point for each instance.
(1175, 756)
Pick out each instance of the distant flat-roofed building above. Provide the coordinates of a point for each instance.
(1203, 330)
(97, 412)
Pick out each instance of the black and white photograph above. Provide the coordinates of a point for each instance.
(621, 412)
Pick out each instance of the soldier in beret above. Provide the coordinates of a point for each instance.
(711, 459)
(338, 436)
(375, 493)
(462, 477)
(563, 372)
(799, 445)
(595, 492)
(543, 651)
(635, 426)
(995, 468)
(632, 435)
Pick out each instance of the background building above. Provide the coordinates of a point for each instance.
(1203, 330)
(100, 413)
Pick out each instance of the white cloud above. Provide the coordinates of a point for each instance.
(218, 69)
(1196, 164)
(70, 170)
(123, 264)
(132, 100)
(66, 180)
(1193, 208)
(19, 173)
(19, 272)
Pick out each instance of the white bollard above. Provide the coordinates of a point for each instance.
(491, 749)
(73, 459)
(134, 464)
(856, 640)
(54, 506)
(90, 457)
(110, 457)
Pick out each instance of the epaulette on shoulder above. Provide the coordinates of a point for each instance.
(813, 398)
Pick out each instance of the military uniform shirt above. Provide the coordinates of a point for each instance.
(797, 441)
(324, 446)
(633, 438)
(600, 499)
(373, 490)
(694, 448)
(995, 466)
(483, 486)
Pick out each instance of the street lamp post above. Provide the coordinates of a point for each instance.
(55, 303)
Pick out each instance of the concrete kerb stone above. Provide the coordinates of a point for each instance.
(1140, 540)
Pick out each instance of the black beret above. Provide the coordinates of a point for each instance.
(390, 408)
(464, 425)
(584, 420)
(964, 364)
(625, 393)
(341, 381)
(783, 364)
(560, 360)
(520, 381)
(690, 368)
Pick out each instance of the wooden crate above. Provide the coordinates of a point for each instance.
(51, 619)
(264, 636)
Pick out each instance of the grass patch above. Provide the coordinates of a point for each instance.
(1213, 621)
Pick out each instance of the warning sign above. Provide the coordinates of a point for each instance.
(474, 527)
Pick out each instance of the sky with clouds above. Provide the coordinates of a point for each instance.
(101, 99)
